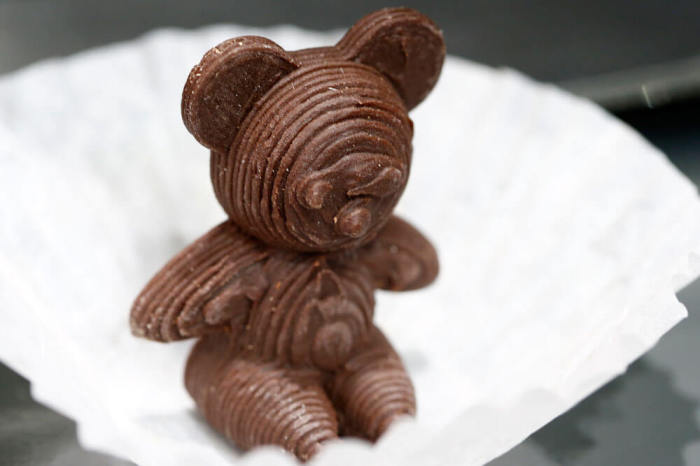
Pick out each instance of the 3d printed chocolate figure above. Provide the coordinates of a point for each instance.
(310, 152)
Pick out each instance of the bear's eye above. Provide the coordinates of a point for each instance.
(385, 183)
(314, 193)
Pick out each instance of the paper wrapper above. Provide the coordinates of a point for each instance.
(562, 236)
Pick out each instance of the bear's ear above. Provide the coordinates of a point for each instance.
(403, 44)
(223, 87)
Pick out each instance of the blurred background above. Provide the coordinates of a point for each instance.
(640, 60)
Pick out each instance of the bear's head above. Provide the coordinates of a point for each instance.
(311, 150)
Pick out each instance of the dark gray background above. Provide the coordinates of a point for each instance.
(640, 59)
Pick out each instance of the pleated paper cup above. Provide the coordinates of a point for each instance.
(562, 236)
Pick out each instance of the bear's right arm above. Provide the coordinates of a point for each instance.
(209, 286)
(400, 258)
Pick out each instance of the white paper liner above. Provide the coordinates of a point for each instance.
(562, 235)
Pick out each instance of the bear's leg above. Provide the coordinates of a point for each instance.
(255, 403)
(372, 390)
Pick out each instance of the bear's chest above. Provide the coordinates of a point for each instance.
(314, 311)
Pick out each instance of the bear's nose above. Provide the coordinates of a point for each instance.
(353, 219)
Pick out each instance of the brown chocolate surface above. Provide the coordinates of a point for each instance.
(310, 152)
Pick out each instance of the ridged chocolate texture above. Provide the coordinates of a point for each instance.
(202, 287)
(310, 152)
(320, 161)
(259, 403)
(276, 301)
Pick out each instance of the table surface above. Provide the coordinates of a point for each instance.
(648, 416)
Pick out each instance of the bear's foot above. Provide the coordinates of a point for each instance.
(259, 404)
(372, 390)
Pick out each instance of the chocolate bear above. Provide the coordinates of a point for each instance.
(310, 152)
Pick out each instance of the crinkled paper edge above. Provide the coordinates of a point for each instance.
(406, 441)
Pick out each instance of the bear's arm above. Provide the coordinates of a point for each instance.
(209, 286)
(400, 257)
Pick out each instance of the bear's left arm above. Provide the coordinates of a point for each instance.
(400, 258)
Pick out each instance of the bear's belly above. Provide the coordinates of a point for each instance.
(327, 333)
(312, 316)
